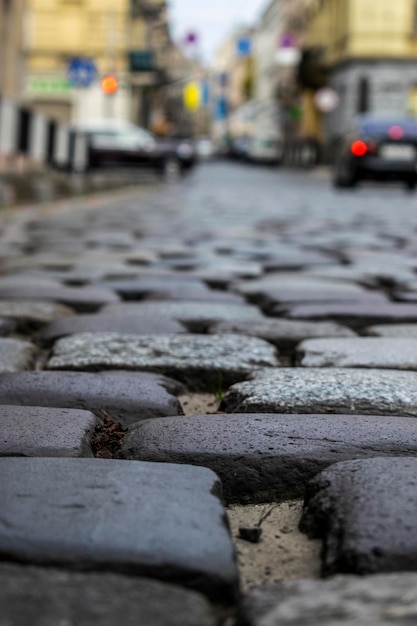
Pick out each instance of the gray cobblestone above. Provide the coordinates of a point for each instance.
(203, 362)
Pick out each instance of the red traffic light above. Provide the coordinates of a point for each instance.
(109, 85)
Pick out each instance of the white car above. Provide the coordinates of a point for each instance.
(264, 149)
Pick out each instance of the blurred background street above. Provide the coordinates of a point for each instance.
(87, 87)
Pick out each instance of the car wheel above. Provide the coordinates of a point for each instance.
(171, 170)
(410, 185)
(344, 177)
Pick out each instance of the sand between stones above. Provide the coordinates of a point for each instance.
(284, 553)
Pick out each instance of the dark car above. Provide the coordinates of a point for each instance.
(112, 143)
(377, 149)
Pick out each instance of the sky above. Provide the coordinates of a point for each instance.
(213, 20)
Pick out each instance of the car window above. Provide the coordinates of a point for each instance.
(375, 128)
(129, 139)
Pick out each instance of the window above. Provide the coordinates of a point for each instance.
(363, 95)
(414, 23)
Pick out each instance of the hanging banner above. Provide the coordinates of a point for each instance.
(205, 93)
(192, 96)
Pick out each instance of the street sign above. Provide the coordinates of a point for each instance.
(44, 85)
(326, 99)
(191, 38)
(288, 53)
(243, 47)
(109, 85)
(287, 40)
(81, 72)
(287, 57)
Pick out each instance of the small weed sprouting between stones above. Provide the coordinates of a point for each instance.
(254, 533)
(107, 438)
(219, 390)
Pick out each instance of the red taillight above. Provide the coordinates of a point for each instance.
(359, 148)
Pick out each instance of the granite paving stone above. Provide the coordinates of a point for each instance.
(406, 296)
(272, 299)
(266, 457)
(332, 390)
(126, 396)
(196, 316)
(156, 324)
(32, 313)
(299, 259)
(159, 520)
(348, 274)
(392, 330)
(40, 431)
(112, 239)
(139, 287)
(222, 275)
(43, 596)
(79, 298)
(202, 362)
(355, 315)
(169, 288)
(232, 268)
(16, 355)
(300, 281)
(379, 600)
(370, 352)
(366, 513)
(282, 333)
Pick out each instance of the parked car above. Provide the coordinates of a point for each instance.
(204, 148)
(265, 149)
(377, 149)
(113, 143)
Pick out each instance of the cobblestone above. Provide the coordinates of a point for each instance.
(203, 362)
(122, 324)
(333, 390)
(203, 280)
(366, 512)
(126, 396)
(264, 458)
(38, 431)
(380, 600)
(43, 596)
(16, 355)
(196, 316)
(379, 353)
(136, 518)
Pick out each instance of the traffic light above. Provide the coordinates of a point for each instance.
(109, 85)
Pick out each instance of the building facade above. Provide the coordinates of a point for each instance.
(368, 50)
(71, 45)
(233, 83)
(11, 47)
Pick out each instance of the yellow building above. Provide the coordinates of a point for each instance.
(366, 50)
(72, 44)
(11, 47)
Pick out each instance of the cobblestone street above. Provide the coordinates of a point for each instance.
(208, 393)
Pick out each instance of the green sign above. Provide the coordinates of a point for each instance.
(48, 86)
